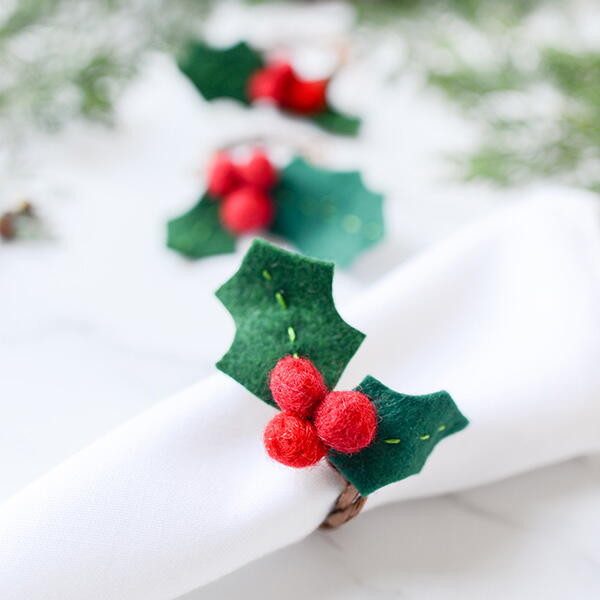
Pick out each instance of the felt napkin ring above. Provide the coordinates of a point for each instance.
(290, 349)
(326, 214)
(242, 73)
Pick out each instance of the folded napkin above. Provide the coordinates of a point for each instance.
(504, 315)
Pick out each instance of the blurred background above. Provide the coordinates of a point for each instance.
(524, 74)
(467, 106)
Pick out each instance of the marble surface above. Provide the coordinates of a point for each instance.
(101, 321)
(534, 536)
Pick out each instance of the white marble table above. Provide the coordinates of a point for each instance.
(534, 536)
(101, 321)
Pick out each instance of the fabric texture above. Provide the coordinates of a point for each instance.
(293, 441)
(504, 315)
(297, 386)
(346, 421)
(282, 304)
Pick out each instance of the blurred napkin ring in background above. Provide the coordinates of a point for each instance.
(347, 506)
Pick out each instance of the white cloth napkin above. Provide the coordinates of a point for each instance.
(504, 315)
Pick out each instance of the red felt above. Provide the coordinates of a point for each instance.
(297, 386)
(223, 175)
(259, 171)
(270, 82)
(247, 209)
(293, 441)
(279, 83)
(305, 97)
(346, 421)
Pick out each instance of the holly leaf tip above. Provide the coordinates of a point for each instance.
(409, 428)
(282, 304)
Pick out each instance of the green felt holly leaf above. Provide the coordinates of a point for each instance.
(282, 304)
(220, 73)
(409, 427)
(224, 73)
(327, 214)
(199, 232)
(336, 122)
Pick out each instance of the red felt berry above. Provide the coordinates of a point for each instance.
(247, 209)
(223, 175)
(293, 441)
(305, 97)
(346, 421)
(259, 171)
(297, 386)
(270, 82)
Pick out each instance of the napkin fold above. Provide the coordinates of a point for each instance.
(504, 315)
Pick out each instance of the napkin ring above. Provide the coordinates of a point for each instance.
(347, 506)
(290, 349)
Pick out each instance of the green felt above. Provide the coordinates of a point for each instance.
(405, 422)
(199, 232)
(224, 73)
(220, 73)
(282, 304)
(327, 214)
(336, 122)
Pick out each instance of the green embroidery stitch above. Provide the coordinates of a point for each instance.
(281, 300)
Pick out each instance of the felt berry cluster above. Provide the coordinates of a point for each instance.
(314, 420)
(278, 83)
(242, 73)
(243, 189)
